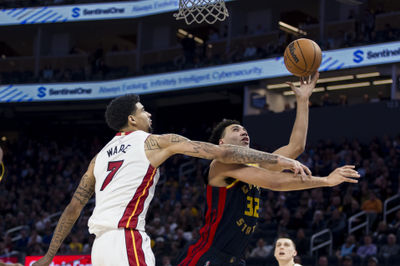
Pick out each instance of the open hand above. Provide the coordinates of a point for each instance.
(343, 174)
(307, 85)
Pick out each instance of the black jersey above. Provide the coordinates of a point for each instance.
(231, 218)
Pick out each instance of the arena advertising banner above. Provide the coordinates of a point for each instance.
(97, 11)
(67, 260)
(202, 77)
(9, 259)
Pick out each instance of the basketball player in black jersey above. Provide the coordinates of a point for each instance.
(233, 191)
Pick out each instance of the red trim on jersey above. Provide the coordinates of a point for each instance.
(133, 240)
(203, 231)
(135, 206)
(208, 233)
(124, 133)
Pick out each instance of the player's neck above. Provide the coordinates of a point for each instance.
(129, 129)
(286, 263)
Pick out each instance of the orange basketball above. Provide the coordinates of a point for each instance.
(302, 57)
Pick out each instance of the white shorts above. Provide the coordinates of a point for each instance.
(122, 247)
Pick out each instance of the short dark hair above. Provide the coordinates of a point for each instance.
(218, 131)
(119, 109)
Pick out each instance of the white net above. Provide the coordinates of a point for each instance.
(199, 11)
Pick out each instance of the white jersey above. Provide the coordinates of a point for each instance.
(125, 184)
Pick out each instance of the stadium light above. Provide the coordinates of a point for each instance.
(383, 81)
(368, 75)
(286, 27)
(348, 86)
(333, 79)
(318, 89)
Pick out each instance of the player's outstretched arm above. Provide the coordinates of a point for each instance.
(280, 181)
(71, 213)
(298, 137)
(161, 147)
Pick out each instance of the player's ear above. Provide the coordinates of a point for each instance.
(131, 120)
(295, 253)
(220, 142)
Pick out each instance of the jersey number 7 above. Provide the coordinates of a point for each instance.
(113, 167)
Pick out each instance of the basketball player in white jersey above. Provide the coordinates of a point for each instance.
(123, 175)
(285, 251)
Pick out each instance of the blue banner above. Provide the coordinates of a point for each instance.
(97, 11)
(254, 70)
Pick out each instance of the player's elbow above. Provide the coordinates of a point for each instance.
(296, 150)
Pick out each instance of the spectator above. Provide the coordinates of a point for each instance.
(368, 249)
(322, 261)
(348, 248)
(373, 206)
(262, 250)
(391, 248)
(75, 246)
(373, 261)
(347, 261)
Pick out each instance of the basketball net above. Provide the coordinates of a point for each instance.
(199, 11)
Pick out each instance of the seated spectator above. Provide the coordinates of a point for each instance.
(373, 261)
(318, 223)
(348, 248)
(75, 246)
(368, 249)
(391, 248)
(322, 261)
(347, 261)
(262, 250)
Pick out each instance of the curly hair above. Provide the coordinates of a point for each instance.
(119, 109)
(219, 130)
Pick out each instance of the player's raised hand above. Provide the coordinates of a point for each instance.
(307, 85)
(343, 174)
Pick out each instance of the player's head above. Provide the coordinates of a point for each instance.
(285, 250)
(126, 113)
(230, 132)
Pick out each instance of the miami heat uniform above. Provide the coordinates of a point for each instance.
(125, 184)
(231, 218)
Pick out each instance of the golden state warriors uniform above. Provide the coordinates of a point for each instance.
(125, 184)
(231, 218)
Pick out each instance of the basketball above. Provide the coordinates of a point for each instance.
(302, 57)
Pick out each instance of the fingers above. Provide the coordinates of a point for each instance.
(348, 166)
(307, 170)
(315, 78)
(350, 180)
(291, 85)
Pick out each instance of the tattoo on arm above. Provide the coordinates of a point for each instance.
(152, 143)
(238, 154)
(67, 220)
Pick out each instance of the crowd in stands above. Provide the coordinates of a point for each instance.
(42, 175)
(363, 31)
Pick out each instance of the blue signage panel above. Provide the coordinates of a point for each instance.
(98, 11)
(203, 77)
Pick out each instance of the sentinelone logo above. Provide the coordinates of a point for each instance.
(358, 55)
(43, 91)
(76, 11)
